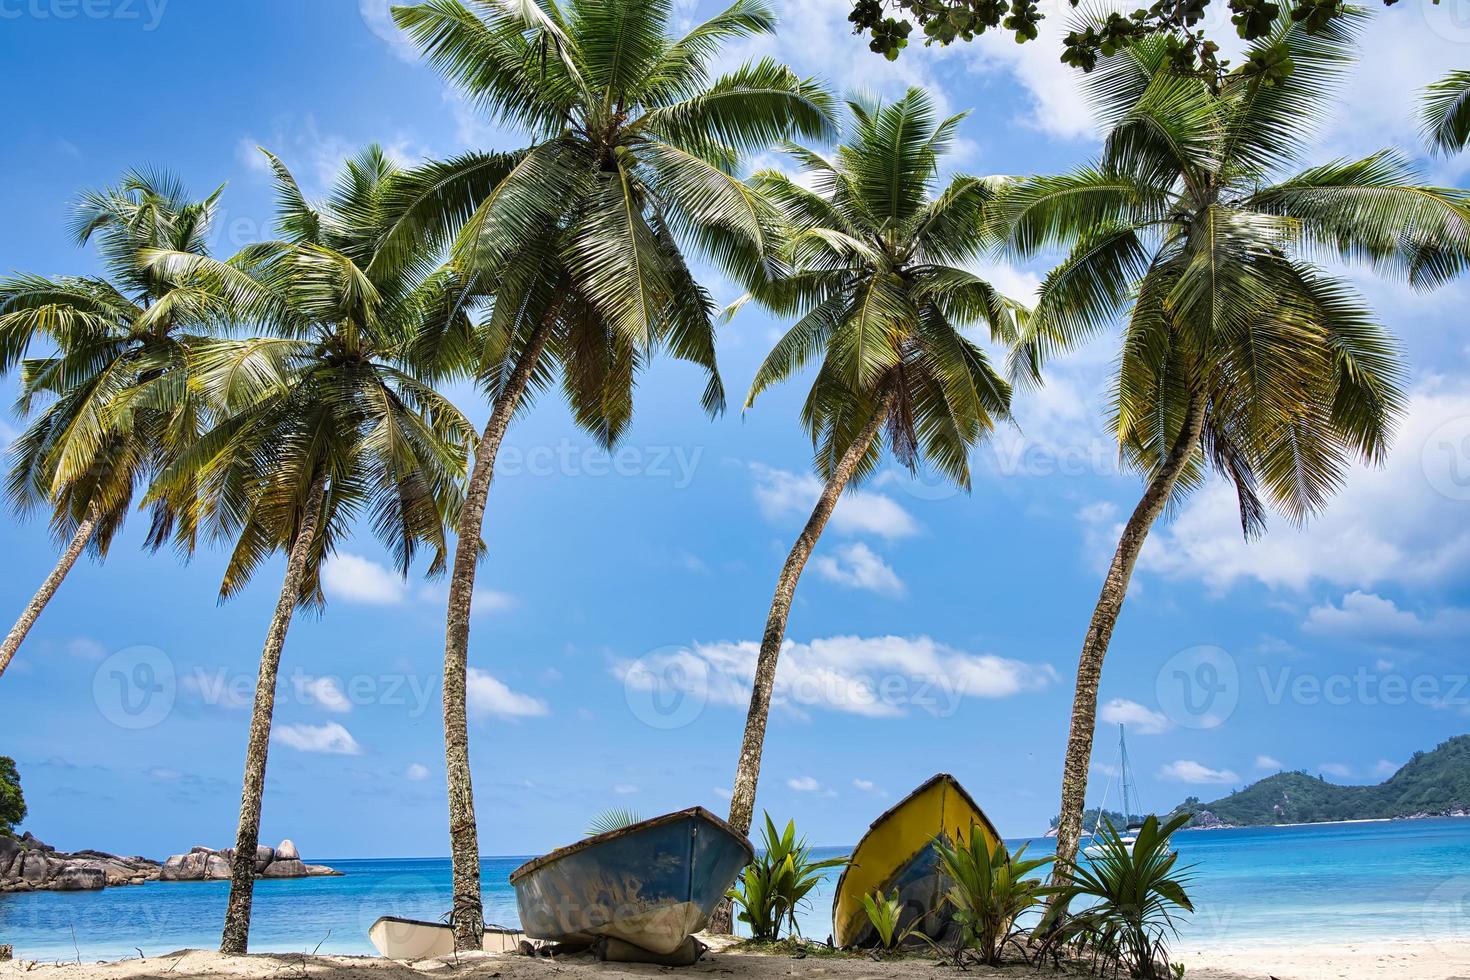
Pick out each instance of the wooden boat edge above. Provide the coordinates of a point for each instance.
(699, 812)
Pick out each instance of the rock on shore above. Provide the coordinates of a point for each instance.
(207, 864)
(27, 864)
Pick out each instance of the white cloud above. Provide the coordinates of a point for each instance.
(164, 774)
(1338, 769)
(1139, 718)
(1058, 106)
(867, 786)
(1268, 763)
(330, 738)
(1189, 771)
(859, 567)
(1368, 616)
(314, 157)
(1383, 768)
(877, 677)
(1403, 523)
(804, 784)
(323, 691)
(625, 789)
(782, 495)
(815, 37)
(354, 578)
(722, 792)
(488, 696)
(416, 772)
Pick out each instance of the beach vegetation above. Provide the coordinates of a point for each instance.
(1126, 899)
(108, 402)
(989, 890)
(588, 234)
(613, 818)
(12, 800)
(872, 266)
(773, 888)
(884, 913)
(328, 416)
(1239, 355)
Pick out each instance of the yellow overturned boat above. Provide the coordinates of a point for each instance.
(898, 852)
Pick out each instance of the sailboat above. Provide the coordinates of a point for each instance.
(1129, 790)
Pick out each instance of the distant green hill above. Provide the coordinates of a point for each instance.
(1430, 784)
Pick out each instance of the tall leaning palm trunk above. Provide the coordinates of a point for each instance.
(235, 939)
(872, 267)
(52, 582)
(463, 835)
(585, 238)
(1078, 759)
(1239, 356)
(748, 769)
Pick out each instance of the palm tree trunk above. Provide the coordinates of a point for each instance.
(32, 611)
(236, 937)
(748, 770)
(1100, 630)
(468, 915)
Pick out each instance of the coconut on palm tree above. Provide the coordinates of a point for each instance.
(330, 419)
(587, 237)
(872, 265)
(1238, 356)
(110, 394)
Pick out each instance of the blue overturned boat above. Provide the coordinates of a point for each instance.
(652, 884)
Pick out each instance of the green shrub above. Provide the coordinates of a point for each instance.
(1133, 894)
(884, 914)
(988, 890)
(12, 801)
(776, 883)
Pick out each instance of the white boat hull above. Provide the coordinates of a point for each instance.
(410, 939)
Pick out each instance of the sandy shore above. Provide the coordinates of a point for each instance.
(1402, 961)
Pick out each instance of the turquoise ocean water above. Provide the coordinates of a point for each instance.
(1278, 885)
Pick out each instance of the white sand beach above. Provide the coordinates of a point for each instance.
(1398, 960)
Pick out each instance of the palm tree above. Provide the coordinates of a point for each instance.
(586, 235)
(330, 419)
(116, 405)
(1446, 112)
(1238, 355)
(873, 268)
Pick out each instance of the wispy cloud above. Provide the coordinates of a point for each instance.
(782, 495)
(877, 677)
(1136, 717)
(1189, 771)
(859, 567)
(488, 696)
(330, 738)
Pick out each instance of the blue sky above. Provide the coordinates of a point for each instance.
(622, 597)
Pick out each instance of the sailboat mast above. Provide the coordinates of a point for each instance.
(1123, 767)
